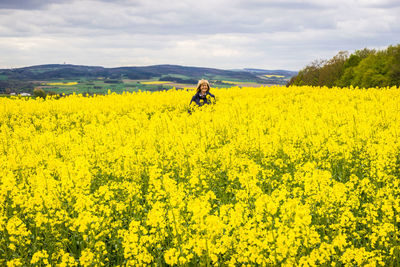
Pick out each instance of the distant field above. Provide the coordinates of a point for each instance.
(101, 86)
(63, 83)
(67, 78)
(177, 76)
(155, 82)
(277, 76)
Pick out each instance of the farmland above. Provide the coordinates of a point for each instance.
(265, 176)
(67, 79)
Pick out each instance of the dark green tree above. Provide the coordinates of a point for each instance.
(39, 92)
(364, 68)
(394, 69)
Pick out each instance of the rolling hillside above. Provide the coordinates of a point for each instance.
(66, 71)
(27, 78)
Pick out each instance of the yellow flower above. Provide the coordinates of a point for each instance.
(40, 256)
(171, 256)
(267, 176)
(87, 257)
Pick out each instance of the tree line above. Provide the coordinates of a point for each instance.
(364, 68)
(13, 86)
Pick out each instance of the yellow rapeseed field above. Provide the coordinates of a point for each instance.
(273, 75)
(280, 176)
(155, 82)
(63, 83)
(230, 82)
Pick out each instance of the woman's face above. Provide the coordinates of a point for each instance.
(203, 88)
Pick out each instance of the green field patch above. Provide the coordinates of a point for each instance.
(97, 86)
(181, 76)
(225, 78)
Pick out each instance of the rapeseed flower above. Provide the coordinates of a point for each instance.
(266, 176)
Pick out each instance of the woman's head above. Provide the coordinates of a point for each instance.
(203, 86)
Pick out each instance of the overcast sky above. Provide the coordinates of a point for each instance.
(225, 34)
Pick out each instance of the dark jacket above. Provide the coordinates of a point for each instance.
(200, 101)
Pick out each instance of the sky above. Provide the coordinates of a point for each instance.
(225, 34)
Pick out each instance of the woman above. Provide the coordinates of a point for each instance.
(203, 95)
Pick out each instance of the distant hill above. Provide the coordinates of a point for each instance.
(286, 73)
(67, 71)
(91, 78)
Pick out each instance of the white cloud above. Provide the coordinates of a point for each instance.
(225, 34)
